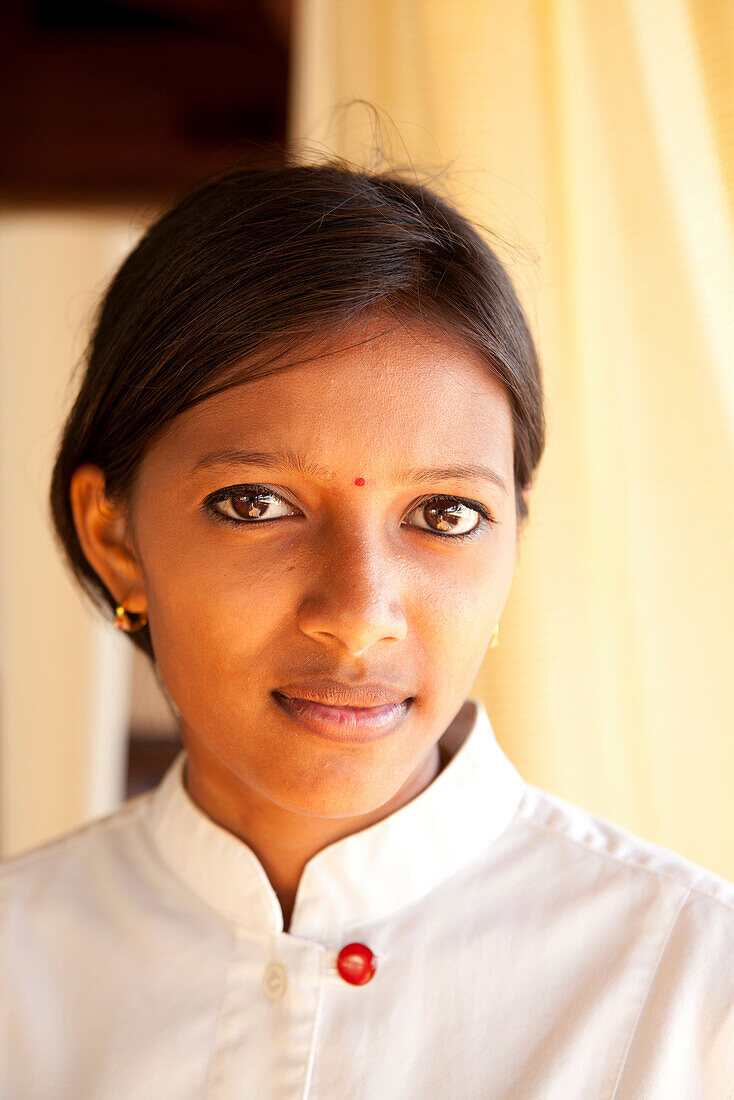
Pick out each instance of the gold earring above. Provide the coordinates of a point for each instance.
(124, 622)
(494, 641)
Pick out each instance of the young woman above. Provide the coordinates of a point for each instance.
(297, 472)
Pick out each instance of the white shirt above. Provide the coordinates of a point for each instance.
(524, 949)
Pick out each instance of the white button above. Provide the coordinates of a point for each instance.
(274, 981)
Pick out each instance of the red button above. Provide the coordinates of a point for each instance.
(356, 963)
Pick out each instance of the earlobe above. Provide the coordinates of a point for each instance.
(101, 529)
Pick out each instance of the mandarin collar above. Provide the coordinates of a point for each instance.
(362, 877)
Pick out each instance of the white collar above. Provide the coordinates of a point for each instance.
(362, 877)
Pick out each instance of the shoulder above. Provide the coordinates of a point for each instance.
(643, 915)
(572, 829)
(67, 859)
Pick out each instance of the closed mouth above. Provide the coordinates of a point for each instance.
(344, 723)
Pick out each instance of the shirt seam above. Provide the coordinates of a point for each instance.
(220, 1014)
(688, 887)
(664, 948)
(317, 1021)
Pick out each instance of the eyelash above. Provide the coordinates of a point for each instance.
(256, 490)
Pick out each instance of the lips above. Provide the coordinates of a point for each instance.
(348, 724)
(339, 693)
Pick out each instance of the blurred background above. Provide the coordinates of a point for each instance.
(597, 138)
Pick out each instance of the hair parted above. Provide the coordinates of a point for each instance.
(249, 266)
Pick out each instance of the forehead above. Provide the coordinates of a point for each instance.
(408, 394)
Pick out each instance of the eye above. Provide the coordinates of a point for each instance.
(444, 516)
(248, 505)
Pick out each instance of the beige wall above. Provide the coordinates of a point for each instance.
(64, 703)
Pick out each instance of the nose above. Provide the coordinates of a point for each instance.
(355, 599)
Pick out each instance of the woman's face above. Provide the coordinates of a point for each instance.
(331, 577)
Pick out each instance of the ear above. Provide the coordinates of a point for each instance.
(102, 530)
(527, 491)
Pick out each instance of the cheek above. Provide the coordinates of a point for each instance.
(211, 618)
(462, 610)
(462, 627)
(451, 616)
(465, 593)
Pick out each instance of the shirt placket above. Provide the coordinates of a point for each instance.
(267, 1030)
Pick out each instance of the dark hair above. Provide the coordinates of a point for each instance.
(242, 270)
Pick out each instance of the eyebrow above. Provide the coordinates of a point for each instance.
(287, 459)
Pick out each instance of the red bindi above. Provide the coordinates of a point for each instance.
(359, 481)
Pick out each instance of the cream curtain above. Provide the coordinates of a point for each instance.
(597, 139)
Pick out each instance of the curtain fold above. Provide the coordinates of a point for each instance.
(596, 140)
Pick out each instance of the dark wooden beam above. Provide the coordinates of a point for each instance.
(136, 110)
(148, 760)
